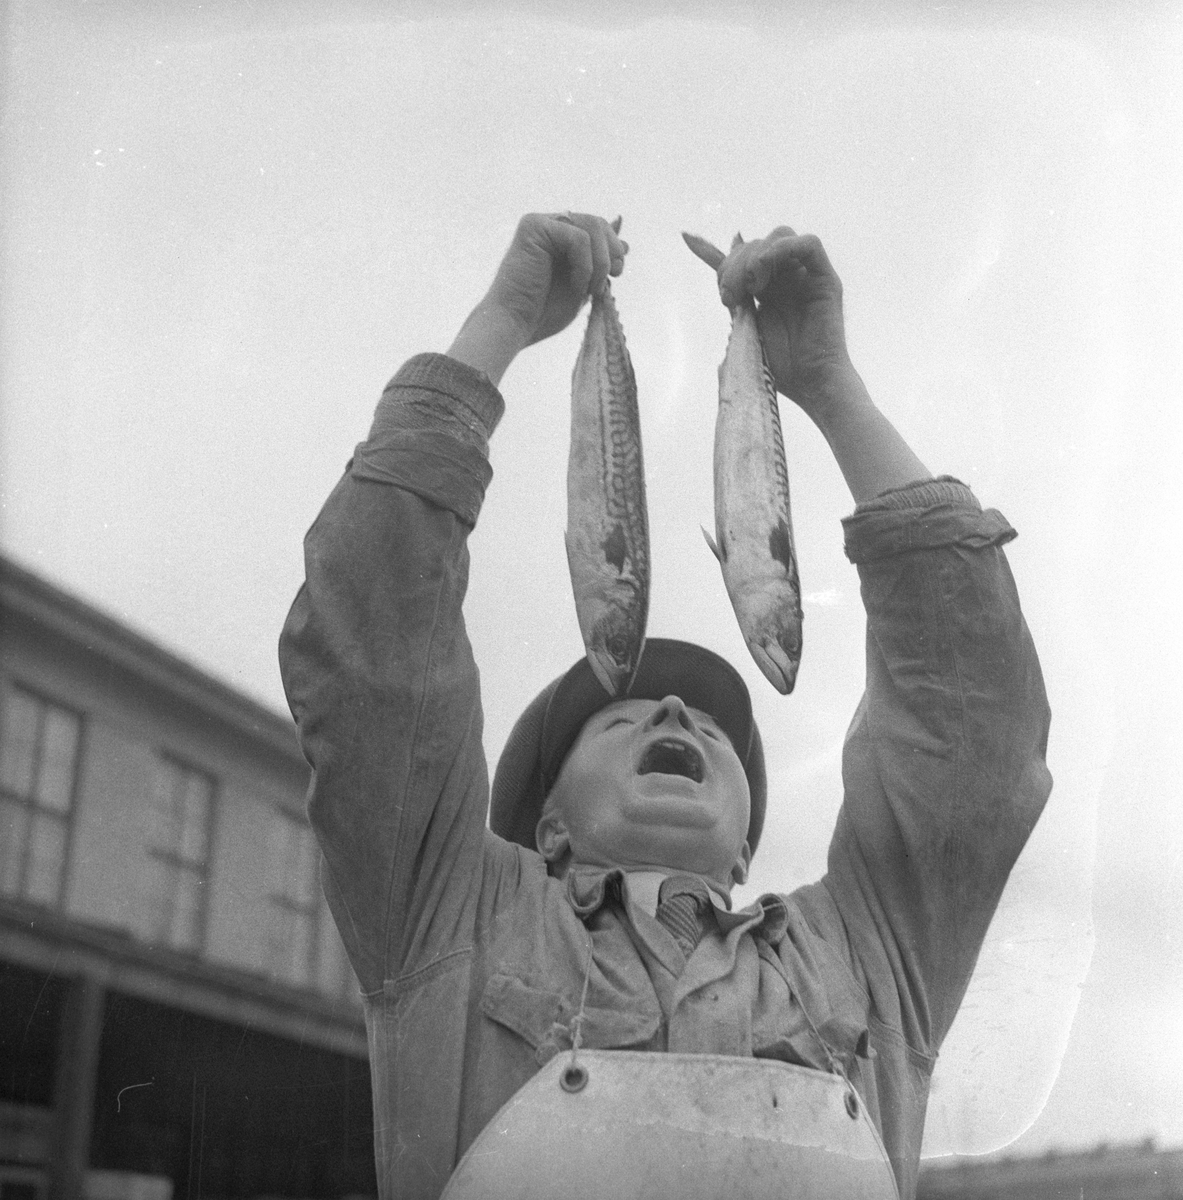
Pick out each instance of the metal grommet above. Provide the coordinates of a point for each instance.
(573, 1078)
(851, 1101)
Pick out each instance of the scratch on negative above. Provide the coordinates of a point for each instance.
(119, 1096)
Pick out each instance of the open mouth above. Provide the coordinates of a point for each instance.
(669, 756)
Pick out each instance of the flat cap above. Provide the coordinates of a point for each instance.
(547, 729)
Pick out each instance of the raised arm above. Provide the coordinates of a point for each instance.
(375, 659)
(554, 264)
(799, 296)
(943, 768)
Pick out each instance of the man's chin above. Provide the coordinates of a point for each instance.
(671, 800)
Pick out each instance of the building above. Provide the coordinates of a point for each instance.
(174, 1000)
(1137, 1172)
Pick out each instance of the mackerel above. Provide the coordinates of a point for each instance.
(607, 534)
(753, 522)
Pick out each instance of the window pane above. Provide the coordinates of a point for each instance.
(279, 937)
(14, 819)
(153, 913)
(59, 745)
(293, 860)
(299, 948)
(17, 749)
(47, 843)
(305, 882)
(161, 831)
(278, 836)
(186, 922)
(335, 976)
(326, 953)
(194, 817)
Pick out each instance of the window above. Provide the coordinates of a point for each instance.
(38, 765)
(293, 890)
(334, 975)
(178, 841)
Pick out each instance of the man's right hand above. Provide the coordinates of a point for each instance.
(552, 266)
(554, 263)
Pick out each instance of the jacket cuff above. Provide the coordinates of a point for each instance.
(922, 516)
(431, 434)
(452, 388)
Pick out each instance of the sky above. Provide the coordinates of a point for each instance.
(226, 225)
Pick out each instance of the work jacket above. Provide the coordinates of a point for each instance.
(472, 958)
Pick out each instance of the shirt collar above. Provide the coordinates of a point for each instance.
(589, 888)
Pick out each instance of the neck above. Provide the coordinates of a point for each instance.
(723, 891)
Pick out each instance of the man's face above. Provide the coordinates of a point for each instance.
(651, 785)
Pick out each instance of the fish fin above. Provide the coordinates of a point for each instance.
(779, 668)
(711, 542)
(616, 225)
(737, 241)
(711, 255)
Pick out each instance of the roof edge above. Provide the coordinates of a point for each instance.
(59, 612)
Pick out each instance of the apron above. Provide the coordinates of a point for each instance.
(630, 1124)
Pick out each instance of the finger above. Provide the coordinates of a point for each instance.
(617, 249)
(604, 244)
(601, 258)
(734, 285)
(793, 252)
(571, 246)
(761, 265)
(751, 268)
(617, 246)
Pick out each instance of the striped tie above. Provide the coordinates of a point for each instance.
(680, 901)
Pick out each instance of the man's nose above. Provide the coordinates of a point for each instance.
(671, 709)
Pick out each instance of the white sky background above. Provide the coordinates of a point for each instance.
(226, 225)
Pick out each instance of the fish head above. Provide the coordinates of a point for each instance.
(778, 659)
(768, 610)
(614, 645)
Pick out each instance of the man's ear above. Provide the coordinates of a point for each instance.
(551, 837)
(739, 872)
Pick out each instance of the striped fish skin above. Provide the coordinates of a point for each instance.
(607, 534)
(753, 520)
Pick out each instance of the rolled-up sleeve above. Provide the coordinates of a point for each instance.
(380, 677)
(944, 769)
(431, 434)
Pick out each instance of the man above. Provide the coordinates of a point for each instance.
(469, 942)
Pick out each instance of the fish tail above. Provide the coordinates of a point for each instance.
(711, 255)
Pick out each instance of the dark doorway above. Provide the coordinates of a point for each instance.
(30, 1019)
(227, 1111)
